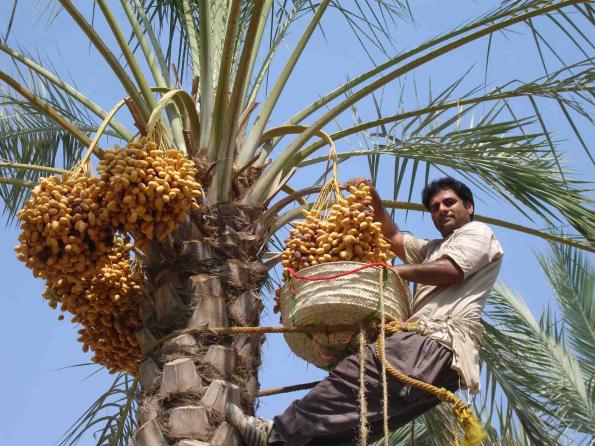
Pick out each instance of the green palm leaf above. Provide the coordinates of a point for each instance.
(42, 75)
(539, 376)
(110, 419)
(573, 279)
(371, 22)
(565, 85)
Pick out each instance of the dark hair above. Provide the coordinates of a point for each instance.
(456, 186)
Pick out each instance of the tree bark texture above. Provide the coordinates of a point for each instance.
(206, 274)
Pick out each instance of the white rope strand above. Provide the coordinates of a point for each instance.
(383, 359)
(363, 406)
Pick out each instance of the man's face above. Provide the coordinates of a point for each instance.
(449, 212)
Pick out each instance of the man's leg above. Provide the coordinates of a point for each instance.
(329, 413)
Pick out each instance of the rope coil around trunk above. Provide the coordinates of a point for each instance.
(247, 330)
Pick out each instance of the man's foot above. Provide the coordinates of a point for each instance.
(254, 431)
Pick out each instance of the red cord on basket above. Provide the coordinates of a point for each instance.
(293, 273)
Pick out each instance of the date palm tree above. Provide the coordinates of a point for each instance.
(198, 69)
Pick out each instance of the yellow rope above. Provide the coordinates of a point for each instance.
(474, 433)
(249, 330)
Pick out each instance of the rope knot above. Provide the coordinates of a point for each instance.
(444, 395)
(393, 327)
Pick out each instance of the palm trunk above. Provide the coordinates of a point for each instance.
(207, 274)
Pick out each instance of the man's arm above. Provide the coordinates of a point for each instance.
(441, 272)
(390, 230)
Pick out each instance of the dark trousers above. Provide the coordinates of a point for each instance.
(329, 413)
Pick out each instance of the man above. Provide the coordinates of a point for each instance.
(454, 276)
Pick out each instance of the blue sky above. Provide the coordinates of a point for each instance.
(42, 395)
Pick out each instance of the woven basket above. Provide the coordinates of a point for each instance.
(347, 300)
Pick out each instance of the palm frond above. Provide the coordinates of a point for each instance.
(371, 21)
(439, 426)
(253, 138)
(263, 185)
(545, 47)
(563, 85)
(11, 21)
(539, 376)
(283, 18)
(403, 435)
(42, 72)
(506, 10)
(127, 53)
(100, 45)
(156, 64)
(572, 277)
(508, 431)
(526, 407)
(145, 35)
(30, 137)
(110, 419)
(434, 428)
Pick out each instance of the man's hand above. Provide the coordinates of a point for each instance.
(376, 201)
(357, 181)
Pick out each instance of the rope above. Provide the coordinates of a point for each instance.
(390, 328)
(294, 274)
(363, 406)
(463, 415)
(278, 329)
(249, 330)
(363, 436)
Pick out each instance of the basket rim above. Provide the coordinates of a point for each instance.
(402, 283)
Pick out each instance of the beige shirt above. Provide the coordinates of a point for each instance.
(451, 314)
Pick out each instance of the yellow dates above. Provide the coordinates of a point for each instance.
(347, 232)
(142, 186)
